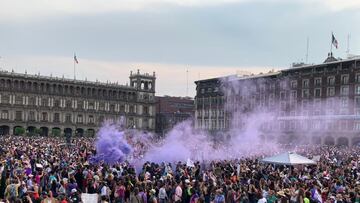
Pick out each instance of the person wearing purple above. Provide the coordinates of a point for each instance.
(72, 185)
(142, 195)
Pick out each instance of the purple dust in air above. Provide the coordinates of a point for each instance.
(111, 145)
(250, 110)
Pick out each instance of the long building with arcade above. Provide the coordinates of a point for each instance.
(317, 104)
(35, 104)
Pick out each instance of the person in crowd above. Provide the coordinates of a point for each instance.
(42, 169)
(152, 198)
(162, 194)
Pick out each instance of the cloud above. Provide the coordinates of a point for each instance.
(171, 78)
(338, 5)
(25, 10)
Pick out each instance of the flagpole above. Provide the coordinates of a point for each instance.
(307, 49)
(187, 82)
(74, 66)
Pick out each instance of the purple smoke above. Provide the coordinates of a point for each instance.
(111, 145)
(254, 128)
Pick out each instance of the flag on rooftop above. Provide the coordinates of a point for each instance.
(334, 41)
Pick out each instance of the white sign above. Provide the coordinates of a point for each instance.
(89, 198)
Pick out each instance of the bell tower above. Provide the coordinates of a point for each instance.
(143, 82)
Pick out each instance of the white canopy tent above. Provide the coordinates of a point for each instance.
(288, 158)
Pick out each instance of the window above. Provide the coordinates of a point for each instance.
(317, 82)
(131, 109)
(68, 118)
(272, 86)
(91, 105)
(344, 90)
(282, 95)
(283, 105)
(206, 113)
(317, 92)
(79, 118)
(344, 101)
(283, 84)
(80, 104)
(216, 89)
(68, 104)
(262, 88)
(31, 116)
(32, 101)
(91, 119)
(202, 91)
(146, 110)
(357, 78)
(330, 103)
(18, 115)
(57, 103)
(5, 114)
(330, 91)
(5, 99)
(317, 104)
(357, 112)
(304, 104)
(18, 100)
(357, 89)
(331, 80)
(305, 83)
(112, 107)
(271, 99)
(305, 93)
(357, 126)
(316, 125)
(357, 102)
(44, 116)
(344, 79)
(294, 84)
(44, 102)
(57, 117)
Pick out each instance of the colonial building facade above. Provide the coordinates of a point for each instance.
(309, 104)
(51, 104)
(171, 111)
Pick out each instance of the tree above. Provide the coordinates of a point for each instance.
(56, 132)
(19, 131)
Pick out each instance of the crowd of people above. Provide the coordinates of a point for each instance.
(47, 170)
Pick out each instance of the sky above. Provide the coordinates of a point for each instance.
(181, 40)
